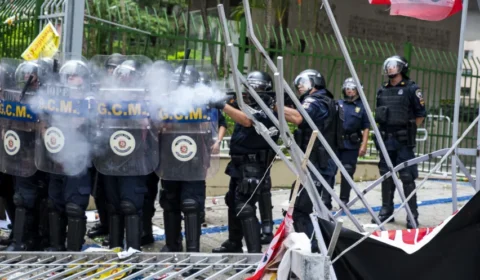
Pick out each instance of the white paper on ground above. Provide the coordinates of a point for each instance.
(91, 216)
(157, 231)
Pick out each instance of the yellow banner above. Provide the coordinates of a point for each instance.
(45, 45)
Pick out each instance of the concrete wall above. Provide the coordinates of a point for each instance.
(282, 177)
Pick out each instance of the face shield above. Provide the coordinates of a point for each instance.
(393, 66)
(303, 84)
(27, 73)
(125, 74)
(350, 90)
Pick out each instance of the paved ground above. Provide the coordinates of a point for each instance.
(434, 206)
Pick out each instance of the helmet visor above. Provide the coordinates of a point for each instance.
(393, 66)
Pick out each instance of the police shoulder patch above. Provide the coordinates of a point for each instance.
(357, 110)
(418, 93)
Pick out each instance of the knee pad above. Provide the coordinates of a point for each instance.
(75, 211)
(406, 177)
(128, 208)
(229, 199)
(350, 169)
(18, 200)
(247, 211)
(189, 206)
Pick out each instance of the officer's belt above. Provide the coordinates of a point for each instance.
(398, 131)
(260, 157)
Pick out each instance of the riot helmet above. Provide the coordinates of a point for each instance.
(113, 61)
(28, 72)
(350, 90)
(395, 65)
(129, 72)
(260, 81)
(162, 66)
(75, 73)
(205, 78)
(309, 79)
(190, 76)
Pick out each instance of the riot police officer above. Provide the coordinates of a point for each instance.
(356, 128)
(102, 226)
(160, 69)
(126, 153)
(69, 193)
(178, 195)
(321, 107)
(251, 156)
(30, 230)
(400, 110)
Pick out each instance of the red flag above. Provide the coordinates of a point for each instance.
(379, 2)
(274, 251)
(429, 10)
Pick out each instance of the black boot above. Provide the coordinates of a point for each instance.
(23, 231)
(133, 226)
(388, 190)
(173, 232)
(97, 230)
(148, 213)
(57, 231)
(192, 225)
(412, 203)
(229, 246)
(76, 232)
(250, 227)
(265, 205)
(115, 237)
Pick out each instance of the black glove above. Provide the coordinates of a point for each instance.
(220, 103)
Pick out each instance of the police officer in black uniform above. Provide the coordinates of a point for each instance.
(126, 194)
(321, 107)
(356, 128)
(400, 110)
(30, 228)
(160, 69)
(251, 156)
(102, 227)
(69, 195)
(177, 196)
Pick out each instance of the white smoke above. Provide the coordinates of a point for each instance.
(159, 90)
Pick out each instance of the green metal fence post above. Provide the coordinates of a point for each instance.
(38, 5)
(407, 51)
(242, 45)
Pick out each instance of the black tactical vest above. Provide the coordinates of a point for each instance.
(396, 100)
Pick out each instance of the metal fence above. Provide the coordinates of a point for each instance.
(159, 34)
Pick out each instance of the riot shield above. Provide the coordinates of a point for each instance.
(63, 105)
(17, 119)
(125, 142)
(188, 128)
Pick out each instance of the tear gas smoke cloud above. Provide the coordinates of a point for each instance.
(159, 89)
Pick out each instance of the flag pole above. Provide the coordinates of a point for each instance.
(456, 113)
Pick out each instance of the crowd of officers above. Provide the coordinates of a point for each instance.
(43, 205)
